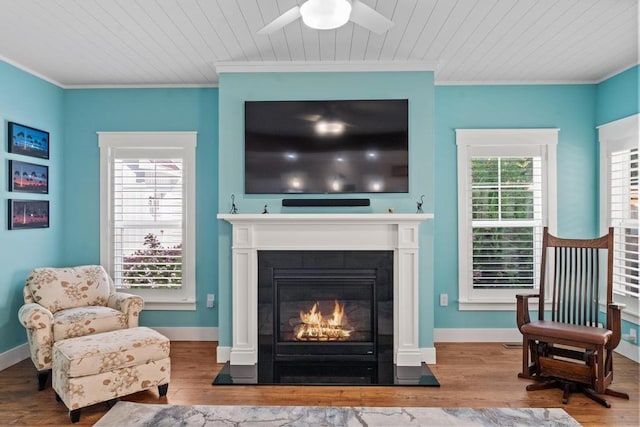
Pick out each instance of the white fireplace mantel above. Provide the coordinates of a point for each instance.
(394, 232)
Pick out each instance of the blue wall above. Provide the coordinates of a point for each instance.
(417, 87)
(89, 111)
(28, 100)
(618, 96)
(571, 108)
(74, 116)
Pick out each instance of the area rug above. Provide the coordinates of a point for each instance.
(137, 414)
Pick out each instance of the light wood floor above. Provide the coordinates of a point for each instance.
(471, 375)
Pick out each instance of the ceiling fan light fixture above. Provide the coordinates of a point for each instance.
(325, 14)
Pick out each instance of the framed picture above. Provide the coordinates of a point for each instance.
(28, 214)
(28, 177)
(28, 141)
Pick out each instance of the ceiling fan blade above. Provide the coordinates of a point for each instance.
(285, 19)
(369, 18)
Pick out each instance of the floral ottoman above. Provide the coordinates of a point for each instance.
(101, 367)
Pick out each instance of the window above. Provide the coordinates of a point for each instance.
(506, 195)
(147, 223)
(619, 206)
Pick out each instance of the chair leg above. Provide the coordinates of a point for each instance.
(43, 376)
(614, 393)
(591, 394)
(544, 385)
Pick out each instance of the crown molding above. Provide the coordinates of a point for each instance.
(322, 66)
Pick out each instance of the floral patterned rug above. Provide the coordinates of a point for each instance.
(137, 414)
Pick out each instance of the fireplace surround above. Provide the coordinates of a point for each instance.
(252, 233)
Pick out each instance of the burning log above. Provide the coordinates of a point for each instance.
(316, 327)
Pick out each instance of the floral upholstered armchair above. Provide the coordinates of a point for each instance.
(71, 302)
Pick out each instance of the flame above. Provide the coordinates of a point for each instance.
(315, 327)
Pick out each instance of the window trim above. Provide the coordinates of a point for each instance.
(184, 143)
(615, 136)
(509, 142)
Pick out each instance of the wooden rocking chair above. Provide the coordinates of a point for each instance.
(569, 349)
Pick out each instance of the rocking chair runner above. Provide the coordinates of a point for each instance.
(570, 350)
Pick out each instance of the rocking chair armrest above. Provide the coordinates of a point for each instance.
(614, 323)
(522, 306)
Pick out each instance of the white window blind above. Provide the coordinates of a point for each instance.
(619, 207)
(623, 213)
(506, 209)
(506, 195)
(147, 222)
(147, 215)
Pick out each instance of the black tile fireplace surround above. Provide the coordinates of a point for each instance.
(350, 296)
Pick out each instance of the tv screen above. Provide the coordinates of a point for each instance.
(323, 147)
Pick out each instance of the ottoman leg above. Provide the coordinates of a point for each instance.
(112, 402)
(74, 415)
(162, 389)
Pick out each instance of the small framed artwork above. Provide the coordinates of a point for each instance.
(28, 141)
(28, 214)
(28, 177)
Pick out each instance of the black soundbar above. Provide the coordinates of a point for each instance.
(325, 202)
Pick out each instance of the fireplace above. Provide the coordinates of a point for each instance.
(254, 234)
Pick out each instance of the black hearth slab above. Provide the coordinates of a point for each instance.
(355, 374)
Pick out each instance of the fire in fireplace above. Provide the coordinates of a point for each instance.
(324, 313)
(313, 326)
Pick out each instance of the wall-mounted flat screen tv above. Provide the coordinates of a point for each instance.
(325, 147)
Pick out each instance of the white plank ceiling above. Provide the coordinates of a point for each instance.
(80, 43)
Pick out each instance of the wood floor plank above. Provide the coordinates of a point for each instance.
(474, 375)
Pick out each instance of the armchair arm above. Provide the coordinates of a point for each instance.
(522, 306)
(131, 305)
(614, 323)
(39, 323)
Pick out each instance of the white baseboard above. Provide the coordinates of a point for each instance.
(188, 333)
(223, 354)
(13, 356)
(477, 335)
(428, 355)
(629, 350)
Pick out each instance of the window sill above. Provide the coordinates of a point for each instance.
(186, 305)
(629, 313)
(495, 305)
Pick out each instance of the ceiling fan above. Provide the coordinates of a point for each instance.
(330, 14)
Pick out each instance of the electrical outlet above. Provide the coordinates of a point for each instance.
(211, 298)
(444, 300)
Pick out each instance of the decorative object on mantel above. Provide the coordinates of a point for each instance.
(419, 204)
(265, 210)
(234, 209)
(390, 210)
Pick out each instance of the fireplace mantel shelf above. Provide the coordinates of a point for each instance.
(394, 218)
